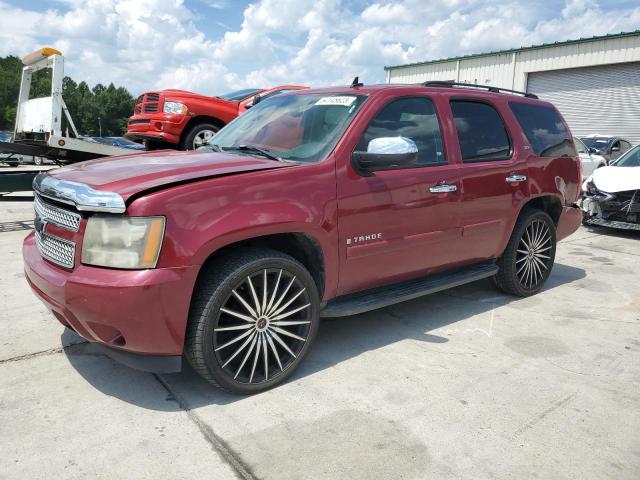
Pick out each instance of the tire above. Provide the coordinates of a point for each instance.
(198, 135)
(244, 352)
(524, 274)
(37, 161)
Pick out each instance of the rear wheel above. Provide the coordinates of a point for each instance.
(528, 259)
(198, 136)
(252, 321)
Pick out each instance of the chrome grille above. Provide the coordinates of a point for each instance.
(56, 250)
(58, 216)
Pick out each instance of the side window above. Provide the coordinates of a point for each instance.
(545, 130)
(481, 132)
(579, 145)
(411, 117)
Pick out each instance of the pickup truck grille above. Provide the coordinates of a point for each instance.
(51, 214)
(56, 250)
(147, 103)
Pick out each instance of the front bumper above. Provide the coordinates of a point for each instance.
(612, 210)
(156, 126)
(132, 313)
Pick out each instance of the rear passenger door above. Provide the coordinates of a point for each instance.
(494, 178)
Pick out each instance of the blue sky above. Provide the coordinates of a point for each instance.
(212, 46)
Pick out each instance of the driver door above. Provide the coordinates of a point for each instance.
(394, 225)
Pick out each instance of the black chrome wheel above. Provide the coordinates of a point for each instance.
(528, 258)
(252, 320)
(532, 256)
(262, 326)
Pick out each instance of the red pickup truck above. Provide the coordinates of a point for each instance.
(317, 203)
(184, 120)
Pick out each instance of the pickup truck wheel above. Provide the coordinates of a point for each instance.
(253, 318)
(198, 135)
(528, 259)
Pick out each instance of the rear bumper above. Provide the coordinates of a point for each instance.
(158, 126)
(131, 312)
(569, 222)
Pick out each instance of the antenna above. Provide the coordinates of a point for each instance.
(356, 83)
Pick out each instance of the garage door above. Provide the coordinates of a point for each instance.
(603, 100)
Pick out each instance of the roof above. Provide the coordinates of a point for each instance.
(522, 49)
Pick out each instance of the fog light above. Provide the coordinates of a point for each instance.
(158, 125)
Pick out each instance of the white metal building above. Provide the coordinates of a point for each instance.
(594, 82)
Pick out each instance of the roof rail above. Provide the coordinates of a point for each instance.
(444, 83)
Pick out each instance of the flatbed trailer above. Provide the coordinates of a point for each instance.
(38, 130)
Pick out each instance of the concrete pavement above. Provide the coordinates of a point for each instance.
(468, 383)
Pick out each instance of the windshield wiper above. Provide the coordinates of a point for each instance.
(255, 150)
(210, 146)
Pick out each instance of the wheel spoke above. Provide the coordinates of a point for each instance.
(277, 338)
(521, 260)
(246, 342)
(274, 350)
(235, 327)
(540, 262)
(288, 334)
(245, 304)
(275, 290)
(264, 291)
(237, 339)
(290, 323)
(282, 297)
(255, 358)
(246, 356)
(237, 315)
(543, 249)
(288, 314)
(255, 297)
(525, 252)
(265, 356)
(522, 267)
(293, 299)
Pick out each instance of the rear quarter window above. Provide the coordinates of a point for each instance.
(545, 130)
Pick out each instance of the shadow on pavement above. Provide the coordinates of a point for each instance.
(338, 340)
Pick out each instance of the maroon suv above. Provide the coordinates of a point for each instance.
(315, 203)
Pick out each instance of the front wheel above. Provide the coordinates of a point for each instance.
(198, 136)
(253, 319)
(528, 259)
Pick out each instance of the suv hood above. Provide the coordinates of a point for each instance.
(616, 179)
(127, 175)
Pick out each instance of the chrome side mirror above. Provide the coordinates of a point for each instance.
(385, 153)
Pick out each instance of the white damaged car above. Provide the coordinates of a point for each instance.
(611, 195)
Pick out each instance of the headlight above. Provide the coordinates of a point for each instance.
(175, 107)
(123, 242)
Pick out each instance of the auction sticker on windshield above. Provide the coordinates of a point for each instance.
(343, 100)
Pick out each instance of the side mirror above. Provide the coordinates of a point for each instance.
(615, 149)
(594, 151)
(385, 153)
(254, 102)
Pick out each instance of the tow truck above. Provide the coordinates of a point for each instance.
(38, 128)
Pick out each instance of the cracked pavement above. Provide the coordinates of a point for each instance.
(467, 383)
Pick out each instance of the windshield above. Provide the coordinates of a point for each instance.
(629, 159)
(239, 95)
(599, 143)
(301, 128)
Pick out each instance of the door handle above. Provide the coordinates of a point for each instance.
(516, 178)
(443, 188)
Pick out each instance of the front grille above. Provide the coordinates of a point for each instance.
(56, 250)
(150, 107)
(49, 213)
(136, 122)
(152, 97)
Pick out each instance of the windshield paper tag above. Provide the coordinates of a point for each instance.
(345, 101)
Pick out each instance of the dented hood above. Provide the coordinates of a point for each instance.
(130, 174)
(616, 179)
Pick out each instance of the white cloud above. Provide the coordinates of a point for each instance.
(148, 44)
